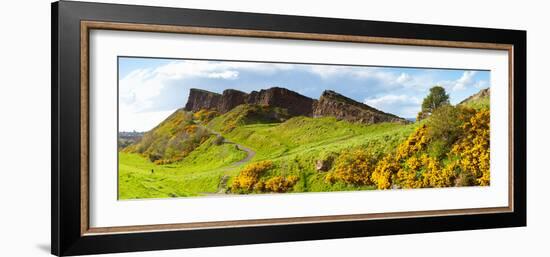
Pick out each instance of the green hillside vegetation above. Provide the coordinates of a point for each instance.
(295, 146)
(197, 173)
(248, 114)
(172, 140)
(481, 103)
(258, 149)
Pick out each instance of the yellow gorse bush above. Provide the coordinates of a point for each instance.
(280, 184)
(250, 175)
(353, 167)
(391, 167)
(410, 165)
(205, 115)
(474, 150)
(249, 179)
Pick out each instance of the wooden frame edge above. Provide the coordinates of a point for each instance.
(288, 221)
(84, 129)
(86, 26)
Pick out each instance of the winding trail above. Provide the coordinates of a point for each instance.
(249, 152)
(222, 185)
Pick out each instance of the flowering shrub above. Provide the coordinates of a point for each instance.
(249, 176)
(280, 184)
(391, 166)
(412, 165)
(473, 150)
(352, 167)
(205, 115)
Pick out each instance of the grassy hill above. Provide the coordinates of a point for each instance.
(245, 114)
(296, 145)
(172, 140)
(293, 145)
(197, 173)
(262, 149)
(480, 100)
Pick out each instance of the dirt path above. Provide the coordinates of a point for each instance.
(222, 186)
(249, 152)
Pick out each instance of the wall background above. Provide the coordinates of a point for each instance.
(25, 127)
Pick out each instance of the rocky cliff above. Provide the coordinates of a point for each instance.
(333, 104)
(202, 99)
(484, 93)
(295, 103)
(231, 98)
(329, 104)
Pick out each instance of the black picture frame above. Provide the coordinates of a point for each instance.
(66, 236)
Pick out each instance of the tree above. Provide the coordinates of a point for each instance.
(444, 128)
(435, 99)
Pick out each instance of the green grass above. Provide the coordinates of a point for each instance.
(481, 103)
(198, 173)
(302, 135)
(171, 140)
(248, 114)
(478, 103)
(293, 145)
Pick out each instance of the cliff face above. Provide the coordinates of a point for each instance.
(202, 99)
(295, 103)
(329, 104)
(230, 99)
(336, 105)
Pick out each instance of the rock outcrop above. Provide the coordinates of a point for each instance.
(296, 104)
(333, 104)
(329, 104)
(202, 99)
(231, 98)
(484, 93)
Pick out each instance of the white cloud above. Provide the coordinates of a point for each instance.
(381, 76)
(392, 99)
(403, 78)
(482, 84)
(141, 122)
(326, 71)
(401, 105)
(228, 74)
(387, 79)
(140, 87)
(466, 80)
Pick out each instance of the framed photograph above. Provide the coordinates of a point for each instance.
(178, 128)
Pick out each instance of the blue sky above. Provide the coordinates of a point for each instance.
(151, 89)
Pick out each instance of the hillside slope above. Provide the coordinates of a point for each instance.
(481, 99)
(171, 140)
(294, 145)
(256, 148)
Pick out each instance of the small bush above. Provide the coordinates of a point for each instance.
(218, 140)
(444, 124)
(353, 167)
(280, 184)
(250, 175)
(205, 115)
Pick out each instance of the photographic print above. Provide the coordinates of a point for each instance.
(174, 131)
(190, 128)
